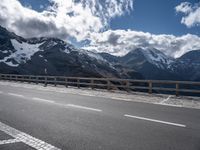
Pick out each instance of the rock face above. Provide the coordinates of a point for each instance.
(33, 56)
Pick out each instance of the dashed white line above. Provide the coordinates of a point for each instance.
(83, 107)
(14, 94)
(26, 139)
(43, 100)
(154, 120)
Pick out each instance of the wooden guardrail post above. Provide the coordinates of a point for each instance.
(29, 79)
(177, 89)
(78, 83)
(66, 82)
(150, 87)
(45, 81)
(37, 79)
(92, 83)
(108, 85)
(128, 86)
(55, 81)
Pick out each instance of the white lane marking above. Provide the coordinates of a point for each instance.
(43, 100)
(154, 120)
(83, 107)
(14, 94)
(86, 94)
(173, 105)
(27, 139)
(10, 141)
(121, 99)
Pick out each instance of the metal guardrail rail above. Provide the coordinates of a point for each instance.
(150, 86)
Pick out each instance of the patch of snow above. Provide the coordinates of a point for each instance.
(40, 56)
(158, 58)
(93, 55)
(51, 44)
(23, 53)
(4, 52)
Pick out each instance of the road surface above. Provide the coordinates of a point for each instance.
(34, 119)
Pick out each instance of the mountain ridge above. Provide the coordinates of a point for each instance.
(35, 55)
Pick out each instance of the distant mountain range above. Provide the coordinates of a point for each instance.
(52, 56)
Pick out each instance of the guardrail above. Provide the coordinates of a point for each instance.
(150, 86)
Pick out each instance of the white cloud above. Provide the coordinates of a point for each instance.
(89, 20)
(191, 13)
(120, 42)
(63, 18)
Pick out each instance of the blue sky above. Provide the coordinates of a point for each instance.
(154, 16)
(112, 26)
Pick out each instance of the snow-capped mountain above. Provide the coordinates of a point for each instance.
(152, 56)
(153, 64)
(189, 65)
(34, 56)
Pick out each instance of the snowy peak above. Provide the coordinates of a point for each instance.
(153, 56)
(158, 58)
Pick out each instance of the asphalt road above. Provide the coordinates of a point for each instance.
(33, 119)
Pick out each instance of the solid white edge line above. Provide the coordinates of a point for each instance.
(83, 107)
(165, 104)
(15, 94)
(42, 100)
(154, 120)
(121, 99)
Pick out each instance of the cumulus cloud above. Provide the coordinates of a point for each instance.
(120, 42)
(191, 13)
(88, 20)
(62, 18)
